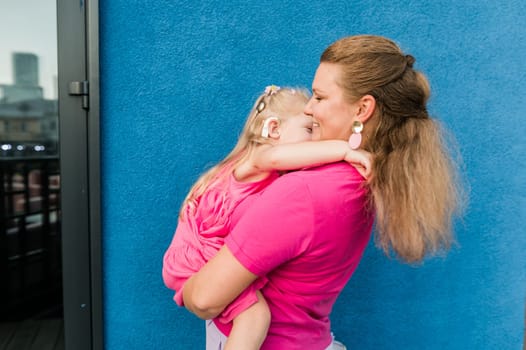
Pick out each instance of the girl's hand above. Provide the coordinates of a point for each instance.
(361, 160)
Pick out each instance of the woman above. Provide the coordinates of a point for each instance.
(307, 231)
(277, 137)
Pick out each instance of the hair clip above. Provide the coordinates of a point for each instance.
(260, 107)
(271, 90)
(266, 124)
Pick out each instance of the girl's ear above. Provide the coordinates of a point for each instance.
(269, 124)
(273, 129)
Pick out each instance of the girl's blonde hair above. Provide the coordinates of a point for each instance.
(280, 102)
(415, 184)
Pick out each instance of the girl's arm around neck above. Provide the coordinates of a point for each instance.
(307, 154)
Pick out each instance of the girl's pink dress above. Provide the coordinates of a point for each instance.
(201, 233)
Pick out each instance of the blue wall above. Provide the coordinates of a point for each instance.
(178, 78)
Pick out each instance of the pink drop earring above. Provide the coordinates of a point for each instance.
(356, 137)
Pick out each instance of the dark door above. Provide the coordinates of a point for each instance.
(49, 175)
(30, 207)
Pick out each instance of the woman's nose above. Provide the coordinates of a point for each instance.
(308, 109)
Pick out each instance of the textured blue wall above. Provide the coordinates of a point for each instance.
(178, 78)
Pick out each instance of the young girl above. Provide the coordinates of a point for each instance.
(276, 138)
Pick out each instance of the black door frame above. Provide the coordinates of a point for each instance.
(79, 115)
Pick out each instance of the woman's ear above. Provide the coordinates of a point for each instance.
(366, 107)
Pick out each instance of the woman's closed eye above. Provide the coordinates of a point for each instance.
(317, 96)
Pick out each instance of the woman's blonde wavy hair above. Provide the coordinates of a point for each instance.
(416, 189)
(284, 103)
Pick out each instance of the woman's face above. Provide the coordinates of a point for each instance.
(332, 114)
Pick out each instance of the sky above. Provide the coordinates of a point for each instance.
(29, 26)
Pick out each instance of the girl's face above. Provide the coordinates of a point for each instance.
(295, 129)
(331, 113)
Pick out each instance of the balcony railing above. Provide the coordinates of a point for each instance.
(30, 237)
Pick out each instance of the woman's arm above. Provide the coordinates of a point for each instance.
(305, 154)
(216, 285)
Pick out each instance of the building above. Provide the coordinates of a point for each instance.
(25, 78)
(28, 122)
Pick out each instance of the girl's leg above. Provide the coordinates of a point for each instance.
(250, 327)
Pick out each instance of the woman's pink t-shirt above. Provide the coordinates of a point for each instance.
(306, 233)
